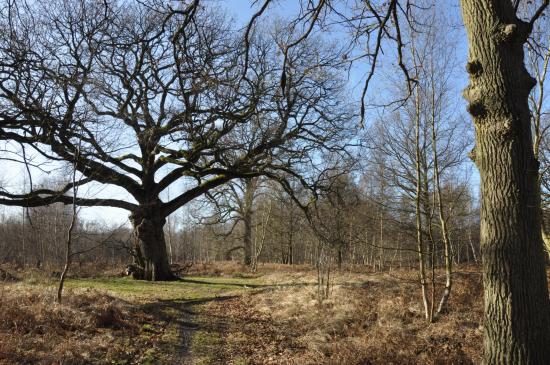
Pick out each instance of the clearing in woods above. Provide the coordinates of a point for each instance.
(221, 315)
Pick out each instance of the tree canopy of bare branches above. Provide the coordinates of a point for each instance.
(156, 97)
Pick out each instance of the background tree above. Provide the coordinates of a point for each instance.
(234, 203)
(538, 59)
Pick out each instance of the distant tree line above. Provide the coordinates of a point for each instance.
(361, 224)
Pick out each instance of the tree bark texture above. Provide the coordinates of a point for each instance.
(517, 307)
(149, 236)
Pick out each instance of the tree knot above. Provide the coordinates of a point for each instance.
(513, 32)
(472, 155)
(477, 109)
(474, 68)
(509, 30)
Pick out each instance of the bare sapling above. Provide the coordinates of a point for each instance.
(69, 237)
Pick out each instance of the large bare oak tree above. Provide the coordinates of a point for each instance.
(144, 97)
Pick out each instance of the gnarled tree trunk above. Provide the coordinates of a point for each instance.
(517, 308)
(149, 236)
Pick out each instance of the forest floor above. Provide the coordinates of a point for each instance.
(221, 314)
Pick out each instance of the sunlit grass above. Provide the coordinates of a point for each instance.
(190, 288)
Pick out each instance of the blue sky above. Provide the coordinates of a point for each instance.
(387, 70)
(242, 10)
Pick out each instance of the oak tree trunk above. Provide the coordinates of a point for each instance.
(149, 235)
(517, 308)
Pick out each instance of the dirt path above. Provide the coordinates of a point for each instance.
(186, 329)
(193, 319)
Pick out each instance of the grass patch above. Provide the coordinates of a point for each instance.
(190, 288)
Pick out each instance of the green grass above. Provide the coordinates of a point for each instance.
(190, 288)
